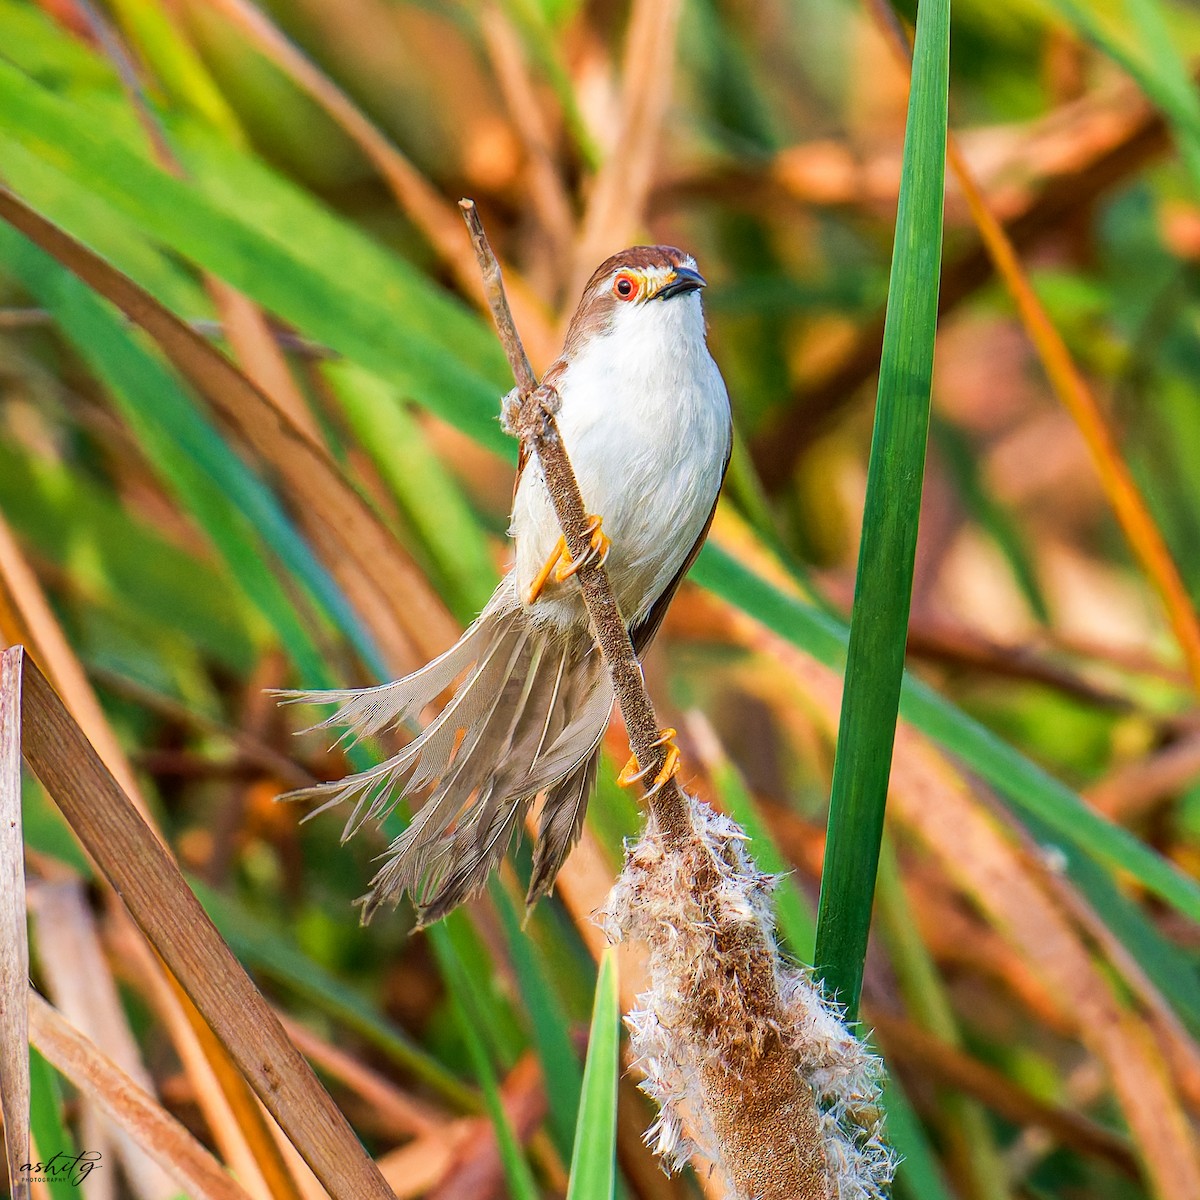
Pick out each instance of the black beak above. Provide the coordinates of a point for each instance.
(685, 280)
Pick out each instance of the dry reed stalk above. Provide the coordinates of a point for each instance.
(147, 879)
(750, 1067)
(26, 616)
(547, 190)
(14, 941)
(617, 204)
(81, 986)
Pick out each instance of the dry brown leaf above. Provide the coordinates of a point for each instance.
(475, 1171)
(150, 1125)
(149, 882)
(414, 1169)
(906, 1042)
(14, 943)
(404, 1115)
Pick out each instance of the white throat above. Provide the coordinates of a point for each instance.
(645, 420)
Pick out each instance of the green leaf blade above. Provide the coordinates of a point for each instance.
(883, 590)
(593, 1161)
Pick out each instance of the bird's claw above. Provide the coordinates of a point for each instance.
(632, 772)
(561, 566)
(597, 552)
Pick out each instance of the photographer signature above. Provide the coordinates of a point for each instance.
(63, 1168)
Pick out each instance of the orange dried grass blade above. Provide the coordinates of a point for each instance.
(1144, 536)
(147, 1123)
(1139, 527)
(35, 624)
(149, 882)
(25, 615)
(244, 1145)
(14, 942)
(547, 191)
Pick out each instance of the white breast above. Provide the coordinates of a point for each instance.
(645, 420)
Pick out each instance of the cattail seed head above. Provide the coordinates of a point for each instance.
(749, 1065)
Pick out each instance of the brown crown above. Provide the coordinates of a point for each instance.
(597, 303)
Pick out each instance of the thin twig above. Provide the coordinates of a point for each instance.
(539, 432)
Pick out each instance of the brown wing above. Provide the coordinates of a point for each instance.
(642, 634)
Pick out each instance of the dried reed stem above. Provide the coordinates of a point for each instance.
(748, 1065)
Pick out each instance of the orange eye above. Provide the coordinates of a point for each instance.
(625, 287)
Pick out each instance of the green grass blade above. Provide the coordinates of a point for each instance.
(883, 590)
(231, 504)
(918, 1177)
(331, 284)
(1162, 74)
(427, 493)
(50, 1134)
(962, 463)
(123, 565)
(521, 1184)
(1171, 72)
(547, 1022)
(593, 1161)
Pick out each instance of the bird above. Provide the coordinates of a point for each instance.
(644, 417)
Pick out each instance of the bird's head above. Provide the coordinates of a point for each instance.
(641, 289)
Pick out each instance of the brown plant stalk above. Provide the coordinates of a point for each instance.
(739, 1032)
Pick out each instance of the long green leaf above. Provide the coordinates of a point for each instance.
(1160, 73)
(471, 1021)
(547, 1022)
(593, 1160)
(883, 590)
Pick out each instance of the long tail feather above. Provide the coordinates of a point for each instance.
(527, 718)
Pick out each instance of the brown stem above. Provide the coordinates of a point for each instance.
(539, 433)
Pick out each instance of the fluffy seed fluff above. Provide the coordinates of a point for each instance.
(741, 1052)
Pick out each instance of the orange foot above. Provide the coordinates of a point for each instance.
(561, 566)
(631, 772)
